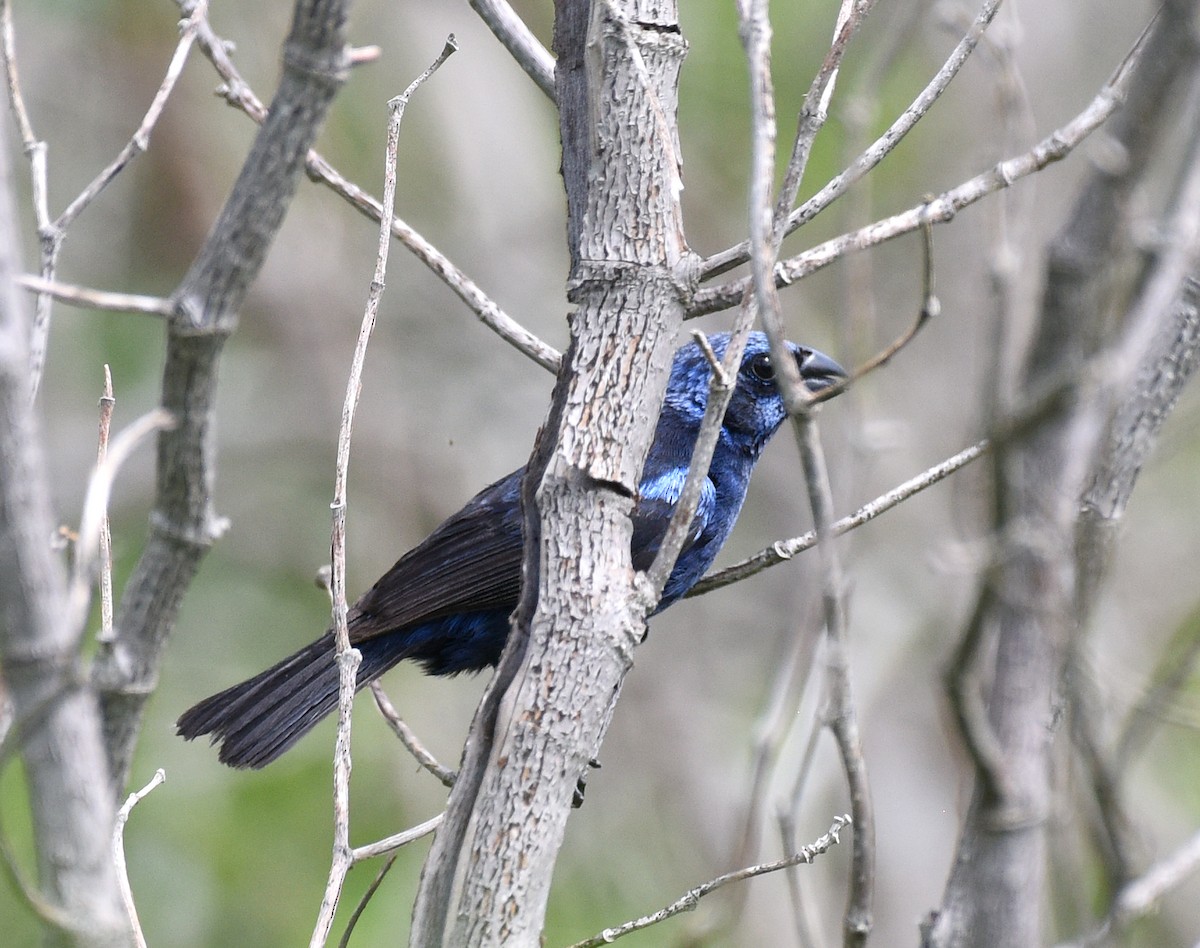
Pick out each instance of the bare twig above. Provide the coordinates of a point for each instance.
(786, 817)
(517, 38)
(727, 259)
(239, 94)
(96, 299)
(16, 100)
(1141, 896)
(783, 550)
(1171, 675)
(843, 719)
(409, 739)
(388, 847)
(95, 510)
(141, 138)
(766, 230)
(107, 403)
(53, 233)
(720, 391)
(118, 850)
(688, 901)
(767, 226)
(361, 907)
(939, 210)
(815, 111)
(348, 657)
(390, 844)
(930, 308)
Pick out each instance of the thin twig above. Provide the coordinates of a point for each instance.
(727, 259)
(15, 99)
(52, 233)
(767, 224)
(141, 138)
(388, 847)
(352, 922)
(96, 299)
(1142, 895)
(930, 308)
(720, 391)
(843, 718)
(786, 815)
(766, 230)
(348, 658)
(688, 901)
(1172, 673)
(783, 550)
(390, 844)
(239, 94)
(519, 40)
(95, 509)
(815, 110)
(107, 404)
(408, 738)
(118, 853)
(941, 209)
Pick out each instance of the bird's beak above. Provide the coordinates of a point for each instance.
(818, 370)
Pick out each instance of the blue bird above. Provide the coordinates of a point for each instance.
(446, 603)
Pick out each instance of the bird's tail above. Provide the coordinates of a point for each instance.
(258, 720)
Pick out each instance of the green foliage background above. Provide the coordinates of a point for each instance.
(221, 858)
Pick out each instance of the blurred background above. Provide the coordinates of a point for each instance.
(218, 857)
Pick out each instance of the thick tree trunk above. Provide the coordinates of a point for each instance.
(56, 717)
(487, 879)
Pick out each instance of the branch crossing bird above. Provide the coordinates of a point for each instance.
(446, 603)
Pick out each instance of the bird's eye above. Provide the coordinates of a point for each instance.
(760, 367)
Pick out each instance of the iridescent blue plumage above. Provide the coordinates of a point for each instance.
(446, 603)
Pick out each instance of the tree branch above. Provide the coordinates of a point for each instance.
(52, 233)
(1028, 606)
(238, 94)
(348, 657)
(938, 210)
(516, 37)
(734, 256)
(547, 709)
(118, 849)
(56, 720)
(183, 523)
(690, 899)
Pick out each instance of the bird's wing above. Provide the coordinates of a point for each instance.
(657, 497)
(471, 563)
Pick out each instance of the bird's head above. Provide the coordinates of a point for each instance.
(756, 410)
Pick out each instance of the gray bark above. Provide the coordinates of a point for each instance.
(487, 878)
(183, 524)
(1030, 607)
(56, 718)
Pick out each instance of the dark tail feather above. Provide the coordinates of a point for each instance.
(258, 720)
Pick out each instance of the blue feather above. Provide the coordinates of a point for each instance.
(446, 603)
